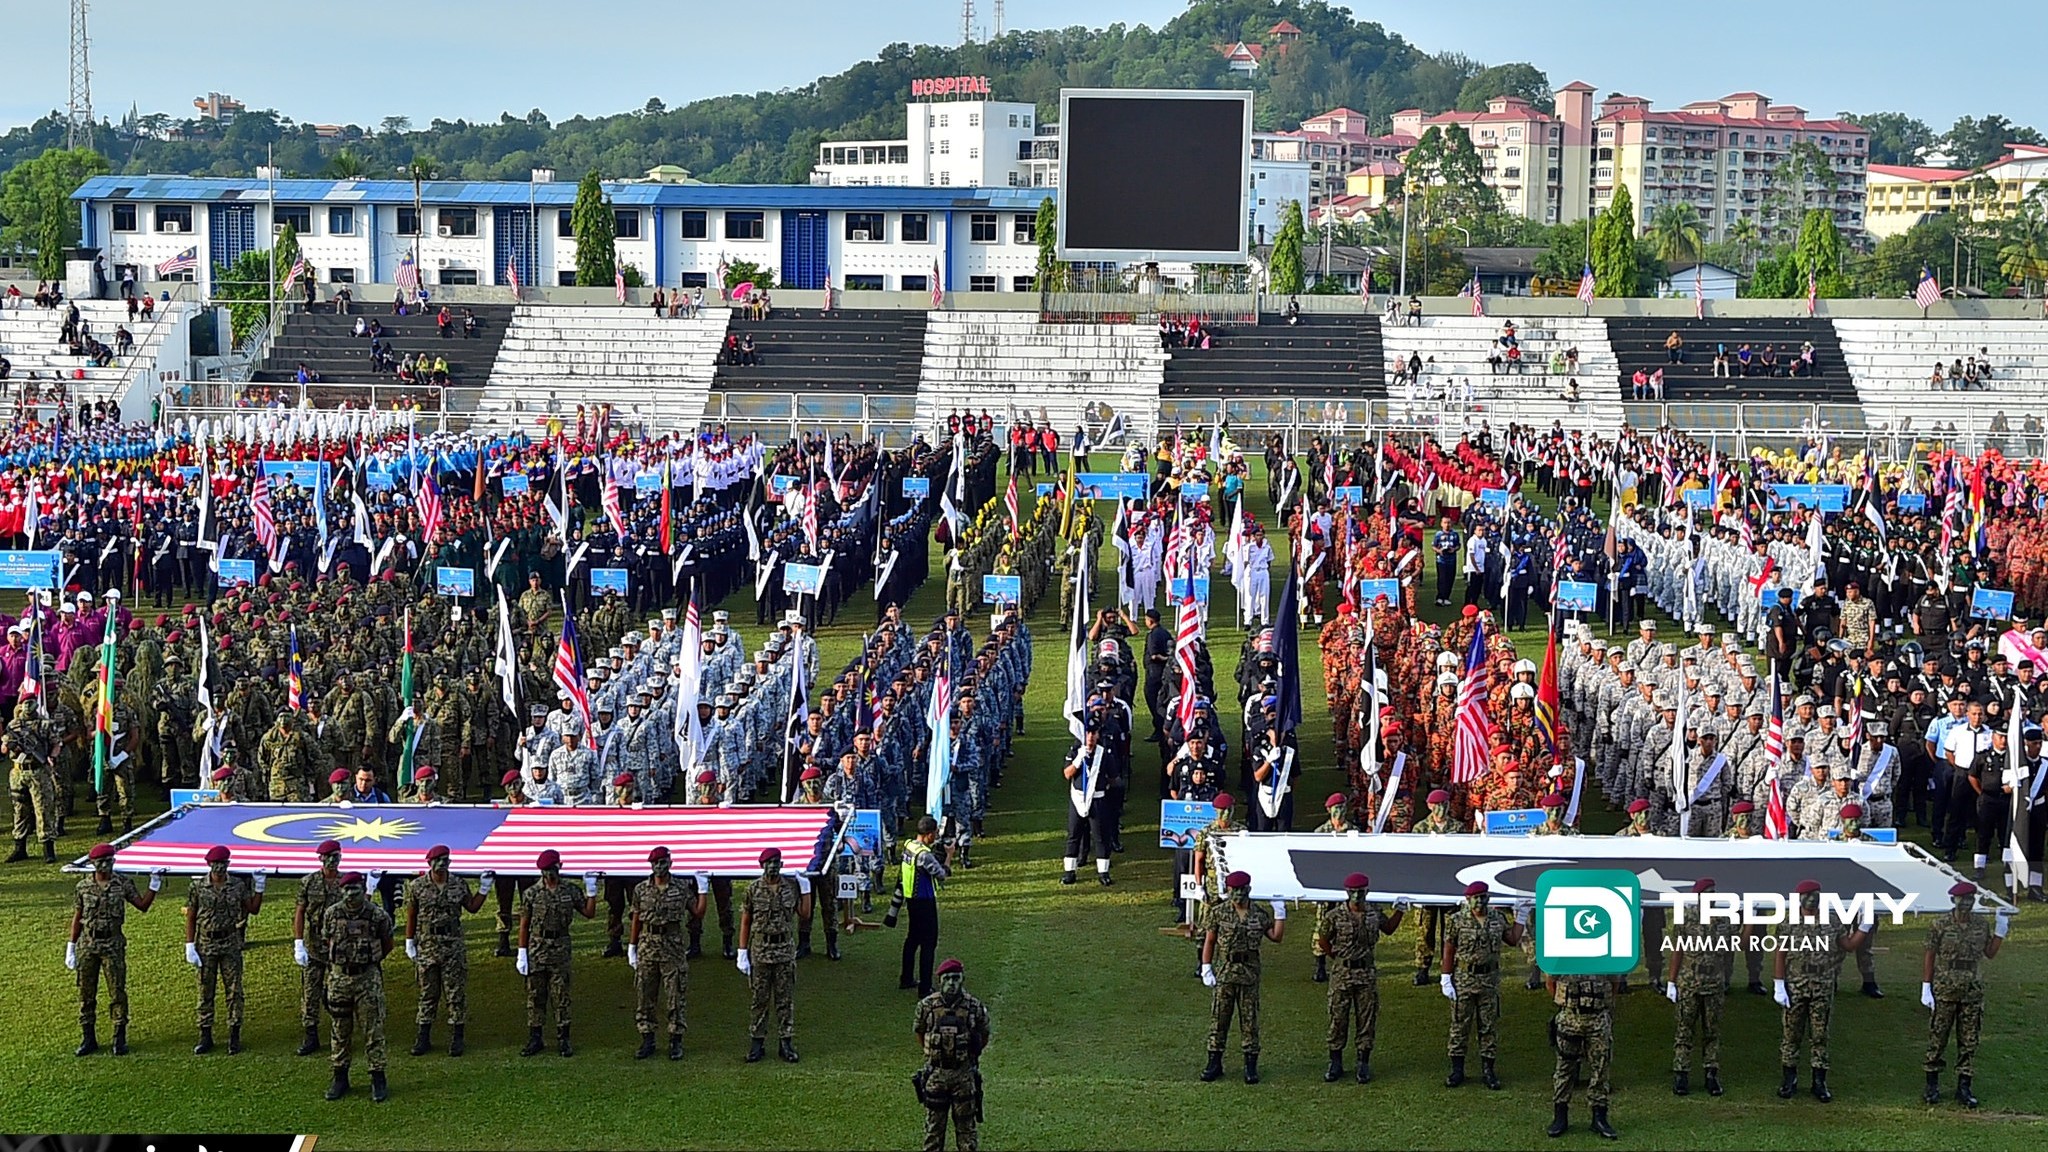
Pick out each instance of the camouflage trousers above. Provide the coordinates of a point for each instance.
(35, 803)
(1477, 1009)
(113, 966)
(444, 974)
(352, 998)
(1243, 1000)
(1354, 1007)
(665, 985)
(224, 972)
(721, 898)
(312, 992)
(1698, 1011)
(1807, 1019)
(1426, 933)
(1866, 960)
(1583, 1041)
(506, 889)
(949, 1095)
(774, 985)
(547, 988)
(1964, 1017)
(116, 796)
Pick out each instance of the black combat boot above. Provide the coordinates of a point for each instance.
(455, 1045)
(1322, 975)
(1788, 1084)
(1964, 1096)
(1756, 988)
(339, 1087)
(646, 1046)
(803, 942)
(832, 946)
(1681, 1083)
(1103, 879)
(1820, 1086)
(1487, 1076)
(965, 860)
(504, 944)
(20, 850)
(90, 1044)
(424, 1043)
(1214, 1069)
(562, 1041)
(1713, 1081)
(675, 1045)
(1560, 1119)
(1331, 1075)
(1871, 990)
(1364, 1066)
(613, 948)
(312, 1042)
(533, 1043)
(756, 1049)
(234, 1039)
(49, 851)
(787, 1050)
(205, 1044)
(379, 1091)
(1457, 1075)
(731, 953)
(1422, 977)
(120, 1039)
(1067, 877)
(1932, 1095)
(106, 824)
(696, 943)
(1600, 1125)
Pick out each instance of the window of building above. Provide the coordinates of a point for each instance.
(566, 278)
(299, 216)
(694, 225)
(1604, 173)
(915, 228)
(1511, 174)
(866, 227)
(974, 153)
(945, 147)
(1551, 174)
(917, 283)
(1025, 226)
(124, 217)
(174, 217)
(974, 119)
(1607, 134)
(341, 221)
(1024, 284)
(464, 276)
(745, 226)
(1013, 178)
(1514, 133)
(455, 222)
(1013, 119)
(695, 280)
(899, 153)
(981, 283)
(341, 275)
(982, 227)
(409, 222)
(565, 227)
(863, 283)
(626, 223)
(1027, 120)
(1514, 151)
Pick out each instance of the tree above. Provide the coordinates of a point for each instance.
(1564, 253)
(1524, 80)
(1052, 271)
(596, 232)
(1615, 270)
(653, 107)
(1818, 251)
(2023, 255)
(1674, 233)
(35, 203)
(1284, 271)
(632, 275)
(1972, 142)
(1805, 170)
(395, 125)
(1747, 239)
(1450, 179)
(743, 271)
(346, 165)
(1895, 138)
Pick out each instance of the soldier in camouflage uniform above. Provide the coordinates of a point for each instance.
(1438, 823)
(358, 936)
(1952, 988)
(115, 795)
(952, 1028)
(434, 940)
(1696, 980)
(1583, 1034)
(318, 892)
(27, 743)
(217, 911)
(767, 952)
(98, 947)
(1233, 930)
(1471, 978)
(1347, 934)
(1806, 968)
(659, 953)
(546, 912)
(285, 764)
(706, 790)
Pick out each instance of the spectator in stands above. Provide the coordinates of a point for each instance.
(6, 367)
(748, 355)
(1515, 362)
(1557, 363)
(1415, 311)
(1770, 359)
(1810, 365)
(470, 324)
(1571, 390)
(1293, 311)
(1415, 365)
(696, 300)
(1049, 448)
(134, 306)
(309, 290)
(343, 297)
(302, 376)
(1674, 348)
(660, 301)
(444, 324)
(1955, 376)
(1743, 358)
(124, 340)
(1639, 384)
(148, 307)
(1571, 360)
(731, 354)
(1657, 384)
(13, 296)
(1938, 378)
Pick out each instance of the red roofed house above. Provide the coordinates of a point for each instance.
(1899, 196)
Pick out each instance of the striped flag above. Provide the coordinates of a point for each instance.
(512, 278)
(612, 511)
(1548, 699)
(1365, 284)
(430, 507)
(1928, 293)
(299, 268)
(689, 732)
(1187, 633)
(408, 277)
(811, 518)
(1478, 297)
(1776, 824)
(827, 306)
(722, 294)
(1010, 506)
(1699, 294)
(939, 766)
(1474, 730)
(568, 672)
(1586, 284)
(103, 734)
(295, 684)
(938, 287)
(619, 282)
(186, 261)
(668, 484)
(1774, 727)
(1813, 292)
(265, 523)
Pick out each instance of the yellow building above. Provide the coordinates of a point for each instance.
(1900, 196)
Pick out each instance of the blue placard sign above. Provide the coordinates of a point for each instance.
(780, 483)
(1912, 501)
(1370, 591)
(1113, 485)
(514, 484)
(1352, 494)
(183, 796)
(1494, 497)
(1002, 589)
(455, 581)
(1045, 489)
(1192, 491)
(1699, 498)
(803, 579)
(1179, 820)
(308, 474)
(1876, 835)
(379, 481)
(1513, 822)
(1577, 596)
(1990, 604)
(235, 573)
(864, 833)
(190, 473)
(917, 487)
(1770, 596)
(604, 580)
(647, 485)
(20, 569)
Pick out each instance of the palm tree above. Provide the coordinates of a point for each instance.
(1674, 233)
(1746, 237)
(2023, 258)
(346, 165)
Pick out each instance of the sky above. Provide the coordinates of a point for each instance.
(319, 63)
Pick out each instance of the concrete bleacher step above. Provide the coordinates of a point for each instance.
(324, 342)
(1005, 361)
(28, 339)
(1460, 345)
(557, 357)
(1320, 355)
(872, 351)
(1638, 342)
(1891, 360)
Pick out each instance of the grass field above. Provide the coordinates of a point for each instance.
(1098, 1025)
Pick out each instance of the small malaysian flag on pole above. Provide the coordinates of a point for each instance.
(1812, 292)
(1365, 285)
(1586, 283)
(186, 261)
(430, 507)
(1474, 730)
(264, 521)
(1699, 294)
(298, 269)
(568, 668)
(619, 282)
(1928, 294)
(1010, 506)
(512, 278)
(827, 307)
(408, 276)
(1478, 297)
(938, 287)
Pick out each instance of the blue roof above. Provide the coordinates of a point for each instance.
(195, 189)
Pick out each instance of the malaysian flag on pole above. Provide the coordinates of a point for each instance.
(938, 287)
(295, 691)
(1010, 506)
(1699, 293)
(1586, 284)
(264, 522)
(186, 261)
(827, 307)
(430, 507)
(939, 766)
(408, 277)
(1813, 292)
(1478, 297)
(1187, 633)
(569, 666)
(1474, 730)
(298, 269)
(619, 282)
(612, 511)
(512, 278)
(1928, 294)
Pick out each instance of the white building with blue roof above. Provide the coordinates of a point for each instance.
(467, 233)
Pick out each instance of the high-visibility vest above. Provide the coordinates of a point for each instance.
(912, 849)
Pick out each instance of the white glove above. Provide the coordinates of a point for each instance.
(1523, 908)
(1671, 991)
(156, 880)
(1779, 994)
(71, 955)
(191, 953)
(1867, 927)
(299, 956)
(1208, 976)
(803, 884)
(485, 881)
(632, 956)
(372, 881)
(1279, 910)
(703, 881)
(1450, 993)
(521, 962)
(745, 963)
(1927, 996)
(1401, 904)
(2001, 924)
(412, 948)
(590, 883)
(260, 880)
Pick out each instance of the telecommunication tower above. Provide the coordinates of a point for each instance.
(79, 118)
